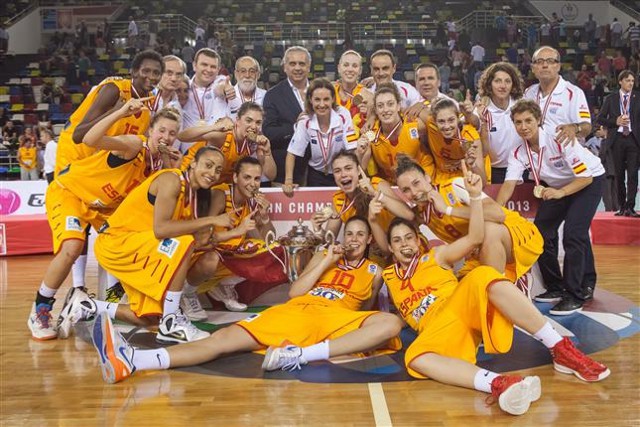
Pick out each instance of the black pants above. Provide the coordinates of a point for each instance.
(319, 179)
(49, 177)
(577, 211)
(498, 175)
(626, 155)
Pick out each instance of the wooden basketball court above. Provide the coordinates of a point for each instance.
(59, 382)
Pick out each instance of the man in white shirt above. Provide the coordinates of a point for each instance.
(477, 53)
(50, 150)
(210, 92)
(165, 92)
(132, 31)
(383, 67)
(247, 71)
(199, 32)
(565, 111)
(616, 33)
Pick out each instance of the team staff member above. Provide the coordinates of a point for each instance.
(569, 180)
(326, 130)
(383, 67)
(247, 71)
(86, 192)
(511, 244)
(236, 140)
(391, 134)
(146, 70)
(452, 317)
(500, 87)
(321, 320)
(165, 93)
(620, 113)
(564, 107)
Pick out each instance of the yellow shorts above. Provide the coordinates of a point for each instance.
(455, 326)
(304, 324)
(144, 265)
(527, 243)
(69, 216)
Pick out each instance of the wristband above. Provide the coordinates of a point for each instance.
(448, 211)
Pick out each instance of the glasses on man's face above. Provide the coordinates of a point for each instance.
(248, 71)
(548, 61)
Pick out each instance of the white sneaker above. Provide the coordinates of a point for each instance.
(288, 358)
(78, 306)
(176, 327)
(40, 322)
(191, 307)
(227, 294)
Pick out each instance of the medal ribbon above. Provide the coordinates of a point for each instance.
(547, 103)
(534, 172)
(325, 149)
(344, 265)
(199, 102)
(191, 195)
(408, 273)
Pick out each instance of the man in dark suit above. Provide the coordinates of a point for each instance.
(620, 113)
(282, 105)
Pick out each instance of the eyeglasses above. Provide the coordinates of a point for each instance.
(548, 61)
(249, 71)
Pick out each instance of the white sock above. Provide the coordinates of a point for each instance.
(483, 379)
(548, 336)
(78, 270)
(189, 289)
(171, 302)
(111, 280)
(109, 307)
(318, 351)
(46, 291)
(151, 359)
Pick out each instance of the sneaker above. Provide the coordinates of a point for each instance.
(191, 307)
(116, 354)
(288, 358)
(569, 360)
(227, 294)
(515, 393)
(40, 322)
(77, 306)
(115, 293)
(550, 296)
(568, 305)
(525, 283)
(176, 327)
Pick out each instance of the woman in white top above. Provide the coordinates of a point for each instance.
(500, 87)
(569, 180)
(326, 129)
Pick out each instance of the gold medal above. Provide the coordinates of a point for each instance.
(537, 191)
(202, 122)
(370, 135)
(357, 100)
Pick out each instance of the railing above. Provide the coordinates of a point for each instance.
(393, 30)
(53, 3)
(626, 9)
(291, 33)
(179, 26)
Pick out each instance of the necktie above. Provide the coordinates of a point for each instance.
(625, 106)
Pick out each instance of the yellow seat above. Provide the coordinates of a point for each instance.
(17, 107)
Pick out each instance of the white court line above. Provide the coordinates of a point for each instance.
(379, 404)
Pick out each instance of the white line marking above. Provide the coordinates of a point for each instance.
(379, 404)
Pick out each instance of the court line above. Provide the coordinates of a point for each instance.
(379, 405)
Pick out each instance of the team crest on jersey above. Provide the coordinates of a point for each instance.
(413, 133)
(553, 110)
(251, 318)
(373, 268)
(73, 224)
(168, 247)
(451, 198)
(424, 258)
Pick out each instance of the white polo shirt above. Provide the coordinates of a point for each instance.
(566, 104)
(159, 102)
(560, 165)
(408, 93)
(214, 107)
(503, 137)
(440, 96)
(341, 134)
(258, 97)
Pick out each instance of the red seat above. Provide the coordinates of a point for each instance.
(30, 119)
(16, 99)
(67, 108)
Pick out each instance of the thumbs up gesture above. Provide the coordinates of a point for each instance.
(466, 106)
(229, 90)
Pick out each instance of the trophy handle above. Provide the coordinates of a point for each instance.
(268, 240)
(329, 238)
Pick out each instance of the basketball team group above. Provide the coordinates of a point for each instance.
(169, 169)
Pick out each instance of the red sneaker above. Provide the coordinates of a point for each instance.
(515, 393)
(569, 360)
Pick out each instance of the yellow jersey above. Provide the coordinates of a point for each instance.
(234, 243)
(69, 151)
(346, 208)
(102, 180)
(343, 285)
(348, 102)
(135, 213)
(28, 157)
(414, 290)
(230, 149)
(384, 152)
